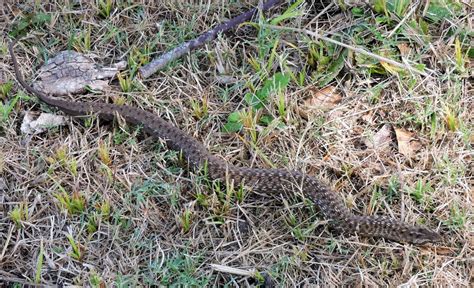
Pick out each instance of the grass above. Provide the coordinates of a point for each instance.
(134, 214)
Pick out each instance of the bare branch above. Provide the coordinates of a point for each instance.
(160, 62)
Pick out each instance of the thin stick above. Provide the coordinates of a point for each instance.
(232, 270)
(160, 62)
(408, 15)
(353, 48)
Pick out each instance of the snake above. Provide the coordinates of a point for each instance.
(266, 181)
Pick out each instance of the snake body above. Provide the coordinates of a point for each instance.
(262, 180)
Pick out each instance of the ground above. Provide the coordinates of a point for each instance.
(97, 203)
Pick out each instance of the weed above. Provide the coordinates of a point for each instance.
(103, 153)
(82, 43)
(292, 11)
(95, 280)
(105, 209)
(451, 120)
(107, 172)
(186, 220)
(19, 214)
(240, 194)
(276, 84)
(375, 197)
(61, 157)
(180, 271)
(120, 136)
(7, 108)
(104, 7)
(5, 89)
(450, 171)
(125, 82)
(138, 57)
(457, 218)
(421, 192)
(39, 263)
(75, 204)
(393, 189)
(200, 108)
(92, 222)
(29, 21)
(202, 200)
(234, 123)
(248, 118)
(76, 250)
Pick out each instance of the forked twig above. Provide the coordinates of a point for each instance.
(160, 62)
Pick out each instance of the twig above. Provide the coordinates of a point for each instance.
(160, 62)
(353, 48)
(408, 15)
(325, 9)
(231, 270)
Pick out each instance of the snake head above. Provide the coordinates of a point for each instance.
(421, 235)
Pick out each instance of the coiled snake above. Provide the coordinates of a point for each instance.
(263, 180)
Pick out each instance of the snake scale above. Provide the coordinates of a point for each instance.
(263, 180)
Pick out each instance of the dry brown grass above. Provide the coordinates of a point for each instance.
(158, 231)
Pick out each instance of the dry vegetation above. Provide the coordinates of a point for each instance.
(94, 203)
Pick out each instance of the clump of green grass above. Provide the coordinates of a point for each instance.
(421, 193)
(19, 214)
(180, 270)
(104, 154)
(457, 218)
(452, 122)
(186, 220)
(7, 108)
(95, 280)
(125, 82)
(62, 158)
(200, 107)
(299, 229)
(104, 7)
(74, 204)
(82, 42)
(5, 89)
(76, 252)
(30, 21)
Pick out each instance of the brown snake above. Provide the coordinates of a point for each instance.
(263, 180)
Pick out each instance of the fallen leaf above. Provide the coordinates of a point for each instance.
(392, 69)
(33, 124)
(381, 139)
(368, 117)
(407, 143)
(404, 49)
(325, 99)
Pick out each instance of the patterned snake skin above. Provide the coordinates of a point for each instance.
(263, 180)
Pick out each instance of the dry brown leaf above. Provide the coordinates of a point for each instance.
(368, 117)
(404, 48)
(381, 139)
(407, 143)
(325, 99)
